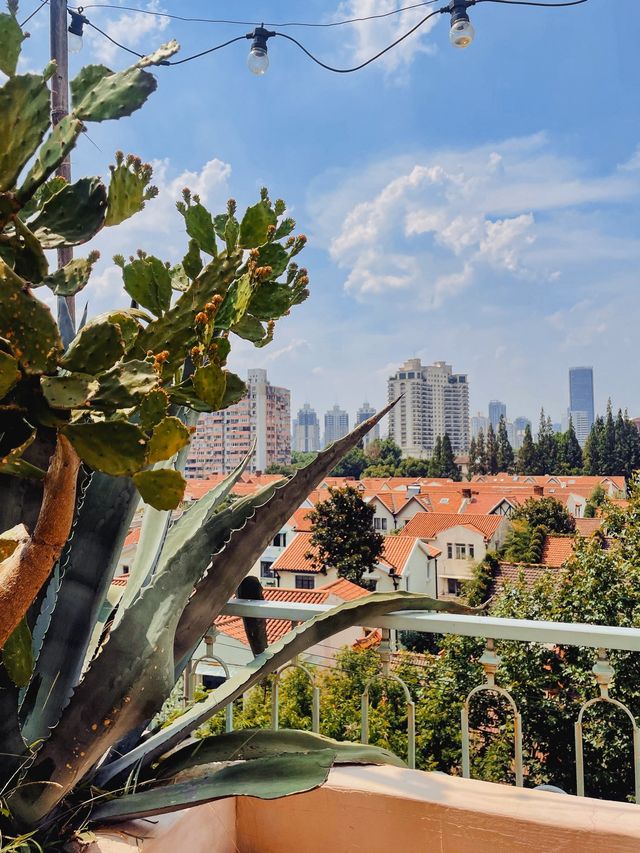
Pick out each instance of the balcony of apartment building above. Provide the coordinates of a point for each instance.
(378, 809)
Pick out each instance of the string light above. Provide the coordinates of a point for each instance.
(461, 33)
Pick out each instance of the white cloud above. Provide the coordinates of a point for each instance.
(434, 225)
(133, 29)
(370, 37)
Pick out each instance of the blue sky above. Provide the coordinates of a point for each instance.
(477, 206)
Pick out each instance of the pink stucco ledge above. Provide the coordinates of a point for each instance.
(376, 809)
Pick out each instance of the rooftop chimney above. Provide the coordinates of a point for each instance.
(538, 490)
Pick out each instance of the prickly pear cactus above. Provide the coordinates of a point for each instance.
(120, 387)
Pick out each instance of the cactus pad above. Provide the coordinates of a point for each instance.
(275, 256)
(192, 262)
(95, 348)
(210, 384)
(148, 281)
(125, 384)
(73, 391)
(163, 489)
(51, 154)
(116, 95)
(24, 107)
(199, 225)
(73, 215)
(128, 189)
(169, 437)
(270, 301)
(30, 261)
(160, 55)
(72, 277)
(9, 373)
(235, 303)
(11, 38)
(113, 447)
(153, 408)
(235, 391)
(11, 461)
(27, 324)
(255, 225)
(86, 80)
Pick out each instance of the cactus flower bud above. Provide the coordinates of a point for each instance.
(201, 318)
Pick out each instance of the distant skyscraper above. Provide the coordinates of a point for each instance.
(519, 427)
(581, 408)
(336, 424)
(496, 410)
(365, 412)
(479, 424)
(223, 439)
(306, 431)
(435, 402)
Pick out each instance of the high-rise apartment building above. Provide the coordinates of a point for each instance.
(581, 407)
(435, 401)
(336, 424)
(223, 439)
(306, 431)
(479, 424)
(496, 410)
(365, 412)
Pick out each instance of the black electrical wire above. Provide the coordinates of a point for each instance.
(316, 24)
(26, 20)
(533, 3)
(368, 61)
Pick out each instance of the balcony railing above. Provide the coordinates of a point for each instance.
(491, 629)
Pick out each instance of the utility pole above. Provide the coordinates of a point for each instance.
(60, 105)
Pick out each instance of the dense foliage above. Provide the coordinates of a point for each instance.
(343, 536)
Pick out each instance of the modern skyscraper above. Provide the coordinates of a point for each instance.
(223, 439)
(519, 426)
(479, 424)
(496, 410)
(365, 412)
(435, 401)
(336, 424)
(581, 408)
(306, 431)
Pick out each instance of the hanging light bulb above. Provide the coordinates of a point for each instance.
(462, 32)
(76, 27)
(258, 59)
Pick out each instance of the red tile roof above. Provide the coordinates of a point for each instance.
(588, 526)
(557, 550)
(344, 589)
(427, 525)
(120, 580)
(299, 521)
(133, 537)
(293, 557)
(512, 572)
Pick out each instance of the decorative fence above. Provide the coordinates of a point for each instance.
(600, 638)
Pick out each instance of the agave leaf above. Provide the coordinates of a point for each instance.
(231, 565)
(250, 744)
(159, 544)
(12, 746)
(88, 563)
(362, 611)
(140, 667)
(17, 655)
(266, 778)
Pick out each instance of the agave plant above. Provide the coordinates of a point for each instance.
(92, 421)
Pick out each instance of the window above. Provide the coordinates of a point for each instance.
(449, 550)
(305, 582)
(472, 551)
(280, 540)
(265, 569)
(453, 586)
(461, 551)
(379, 523)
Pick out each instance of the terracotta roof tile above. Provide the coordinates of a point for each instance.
(512, 572)
(299, 521)
(120, 580)
(344, 589)
(427, 525)
(588, 526)
(133, 537)
(557, 550)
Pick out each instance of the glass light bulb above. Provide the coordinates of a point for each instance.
(74, 43)
(258, 60)
(461, 34)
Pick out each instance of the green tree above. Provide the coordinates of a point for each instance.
(504, 451)
(548, 513)
(448, 460)
(569, 452)
(594, 461)
(527, 454)
(343, 535)
(546, 446)
(481, 454)
(436, 466)
(384, 451)
(473, 457)
(597, 499)
(413, 467)
(300, 459)
(491, 451)
(478, 589)
(352, 465)
(609, 455)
